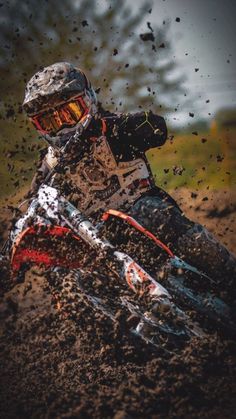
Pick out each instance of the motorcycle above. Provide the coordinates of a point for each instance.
(139, 274)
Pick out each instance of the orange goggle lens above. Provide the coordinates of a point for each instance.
(66, 115)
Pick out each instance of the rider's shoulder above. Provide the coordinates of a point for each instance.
(124, 117)
(130, 122)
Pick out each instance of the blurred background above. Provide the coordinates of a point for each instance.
(174, 57)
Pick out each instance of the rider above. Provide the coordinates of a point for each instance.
(107, 166)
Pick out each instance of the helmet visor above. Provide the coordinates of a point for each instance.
(62, 116)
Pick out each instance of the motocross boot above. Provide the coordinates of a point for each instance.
(191, 241)
(200, 248)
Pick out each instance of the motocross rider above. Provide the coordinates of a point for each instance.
(108, 168)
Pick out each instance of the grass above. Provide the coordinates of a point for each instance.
(19, 150)
(207, 159)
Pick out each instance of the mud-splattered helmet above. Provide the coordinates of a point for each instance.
(60, 98)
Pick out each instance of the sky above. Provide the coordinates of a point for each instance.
(203, 39)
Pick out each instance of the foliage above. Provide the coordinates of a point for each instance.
(226, 117)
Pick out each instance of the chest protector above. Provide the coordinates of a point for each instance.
(99, 182)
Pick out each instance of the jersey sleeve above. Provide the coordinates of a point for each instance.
(142, 130)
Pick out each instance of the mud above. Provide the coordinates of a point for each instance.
(61, 360)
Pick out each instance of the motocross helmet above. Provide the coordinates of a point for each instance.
(60, 100)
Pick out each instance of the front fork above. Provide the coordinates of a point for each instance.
(130, 271)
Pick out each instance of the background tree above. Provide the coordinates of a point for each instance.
(130, 69)
(106, 43)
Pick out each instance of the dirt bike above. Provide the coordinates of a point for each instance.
(173, 301)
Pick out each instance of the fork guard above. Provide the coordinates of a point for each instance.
(21, 255)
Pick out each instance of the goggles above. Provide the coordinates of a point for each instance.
(65, 115)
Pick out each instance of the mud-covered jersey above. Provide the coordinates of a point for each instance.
(108, 168)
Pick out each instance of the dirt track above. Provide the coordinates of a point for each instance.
(215, 209)
(77, 366)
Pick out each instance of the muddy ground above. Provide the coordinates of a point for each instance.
(76, 365)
